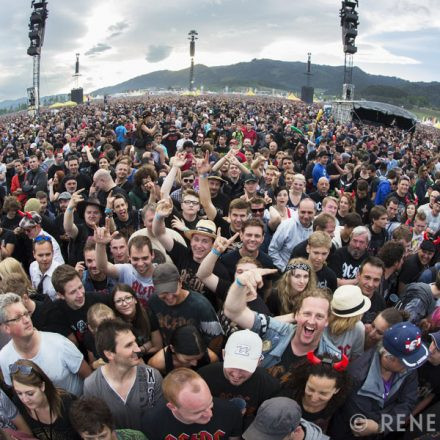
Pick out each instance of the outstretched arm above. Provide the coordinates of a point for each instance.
(164, 209)
(203, 169)
(69, 225)
(245, 284)
(177, 161)
(103, 237)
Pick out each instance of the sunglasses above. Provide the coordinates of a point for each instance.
(42, 238)
(257, 210)
(23, 369)
(188, 180)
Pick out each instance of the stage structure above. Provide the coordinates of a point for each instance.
(76, 94)
(349, 24)
(192, 37)
(308, 91)
(37, 25)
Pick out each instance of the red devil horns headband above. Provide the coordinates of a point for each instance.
(338, 366)
(25, 214)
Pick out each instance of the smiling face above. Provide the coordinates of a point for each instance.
(318, 392)
(74, 293)
(92, 215)
(200, 246)
(237, 217)
(252, 238)
(236, 376)
(312, 318)
(369, 278)
(125, 303)
(141, 259)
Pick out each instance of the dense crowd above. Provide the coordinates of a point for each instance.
(217, 268)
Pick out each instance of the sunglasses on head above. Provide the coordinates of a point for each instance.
(42, 238)
(23, 369)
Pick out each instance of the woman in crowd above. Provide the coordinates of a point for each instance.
(409, 214)
(300, 158)
(345, 206)
(44, 407)
(298, 278)
(345, 328)
(145, 325)
(296, 192)
(320, 386)
(279, 211)
(347, 181)
(186, 349)
(55, 186)
(144, 190)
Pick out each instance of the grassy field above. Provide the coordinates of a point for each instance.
(422, 113)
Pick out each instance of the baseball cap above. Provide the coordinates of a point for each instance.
(404, 341)
(250, 178)
(165, 278)
(436, 338)
(65, 196)
(243, 350)
(276, 418)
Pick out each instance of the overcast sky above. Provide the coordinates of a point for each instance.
(121, 39)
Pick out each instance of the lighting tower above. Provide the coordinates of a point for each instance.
(37, 24)
(76, 94)
(192, 37)
(349, 23)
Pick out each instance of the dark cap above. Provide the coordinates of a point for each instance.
(276, 418)
(322, 153)
(165, 278)
(250, 178)
(427, 245)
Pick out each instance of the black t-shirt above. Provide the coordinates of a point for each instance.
(258, 388)
(65, 320)
(317, 197)
(7, 237)
(327, 279)
(61, 429)
(128, 227)
(160, 424)
(230, 260)
(8, 223)
(283, 370)
(76, 246)
(377, 240)
(344, 265)
(183, 259)
(377, 305)
(221, 202)
(363, 208)
(429, 381)
(411, 270)
(225, 226)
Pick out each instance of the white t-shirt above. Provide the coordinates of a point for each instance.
(36, 276)
(58, 358)
(143, 286)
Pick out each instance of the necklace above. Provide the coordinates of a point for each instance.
(48, 437)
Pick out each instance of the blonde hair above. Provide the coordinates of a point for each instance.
(98, 313)
(338, 325)
(320, 239)
(10, 266)
(289, 300)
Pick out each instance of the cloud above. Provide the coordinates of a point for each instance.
(117, 28)
(158, 53)
(99, 48)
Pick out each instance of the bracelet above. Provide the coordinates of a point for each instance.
(205, 175)
(216, 252)
(69, 208)
(158, 216)
(108, 211)
(239, 284)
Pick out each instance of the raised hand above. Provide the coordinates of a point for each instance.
(221, 244)
(202, 165)
(110, 200)
(179, 159)
(80, 268)
(76, 198)
(253, 279)
(102, 235)
(164, 207)
(178, 224)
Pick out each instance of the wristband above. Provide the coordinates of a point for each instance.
(205, 175)
(239, 284)
(158, 216)
(108, 211)
(69, 208)
(216, 252)
(185, 229)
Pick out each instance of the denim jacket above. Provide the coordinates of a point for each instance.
(276, 336)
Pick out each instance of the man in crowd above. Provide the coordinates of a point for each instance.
(54, 354)
(191, 409)
(129, 387)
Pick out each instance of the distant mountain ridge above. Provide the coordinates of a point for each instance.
(287, 76)
(280, 75)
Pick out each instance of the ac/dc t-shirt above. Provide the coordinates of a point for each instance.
(160, 424)
(344, 265)
(143, 286)
(327, 279)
